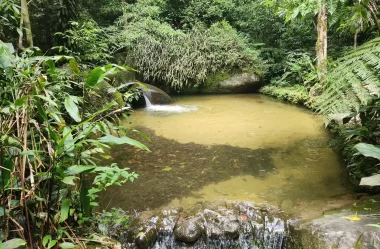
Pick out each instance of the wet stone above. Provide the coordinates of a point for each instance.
(146, 238)
(188, 231)
(231, 230)
(167, 221)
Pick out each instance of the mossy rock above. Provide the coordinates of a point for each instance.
(122, 77)
(228, 82)
(103, 96)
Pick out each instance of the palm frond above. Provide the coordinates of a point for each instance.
(353, 83)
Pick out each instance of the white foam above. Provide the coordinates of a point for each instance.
(170, 108)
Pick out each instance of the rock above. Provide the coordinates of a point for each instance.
(231, 83)
(167, 221)
(122, 77)
(231, 229)
(146, 238)
(188, 231)
(335, 231)
(103, 96)
(207, 225)
(156, 96)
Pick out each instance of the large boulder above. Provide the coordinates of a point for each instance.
(223, 82)
(341, 230)
(156, 96)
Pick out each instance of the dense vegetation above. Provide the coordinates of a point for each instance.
(324, 54)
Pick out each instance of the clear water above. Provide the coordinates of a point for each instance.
(231, 147)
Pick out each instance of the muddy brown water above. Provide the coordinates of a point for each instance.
(230, 147)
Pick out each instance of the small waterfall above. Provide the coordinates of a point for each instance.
(240, 226)
(147, 101)
(165, 108)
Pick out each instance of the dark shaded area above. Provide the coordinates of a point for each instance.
(175, 170)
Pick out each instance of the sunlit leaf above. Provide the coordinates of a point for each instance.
(368, 150)
(66, 245)
(65, 207)
(69, 180)
(77, 169)
(94, 77)
(72, 108)
(14, 243)
(110, 139)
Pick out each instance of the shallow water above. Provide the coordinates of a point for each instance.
(230, 147)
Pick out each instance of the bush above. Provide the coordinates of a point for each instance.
(296, 94)
(181, 59)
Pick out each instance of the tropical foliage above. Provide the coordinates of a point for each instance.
(353, 82)
(50, 142)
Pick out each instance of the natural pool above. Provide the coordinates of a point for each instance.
(230, 147)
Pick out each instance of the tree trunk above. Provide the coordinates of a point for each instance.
(356, 38)
(321, 46)
(26, 23)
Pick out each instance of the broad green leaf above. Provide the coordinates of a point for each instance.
(370, 181)
(66, 245)
(52, 244)
(65, 207)
(8, 167)
(47, 99)
(84, 198)
(46, 240)
(368, 150)
(94, 77)
(73, 64)
(110, 139)
(41, 110)
(77, 169)
(72, 108)
(50, 64)
(68, 142)
(14, 243)
(69, 180)
(21, 101)
(2, 212)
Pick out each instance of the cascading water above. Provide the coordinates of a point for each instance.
(241, 225)
(166, 108)
(147, 100)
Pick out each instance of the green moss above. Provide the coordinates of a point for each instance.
(214, 79)
(296, 94)
(370, 205)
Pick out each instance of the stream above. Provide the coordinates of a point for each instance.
(230, 147)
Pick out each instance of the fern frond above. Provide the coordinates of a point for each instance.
(353, 83)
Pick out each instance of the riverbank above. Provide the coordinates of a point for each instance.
(346, 133)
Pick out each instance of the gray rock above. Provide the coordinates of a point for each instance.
(156, 96)
(334, 231)
(241, 83)
(188, 231)
(231, 229)
(236, 83)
